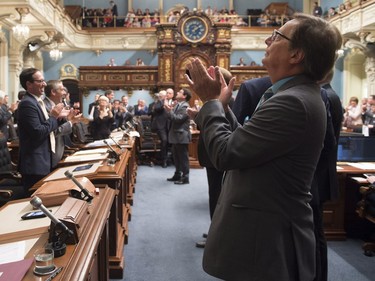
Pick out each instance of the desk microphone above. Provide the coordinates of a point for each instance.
(112, 151)
(57, 239)
(116, 143)
(37, 203)
(86, 194)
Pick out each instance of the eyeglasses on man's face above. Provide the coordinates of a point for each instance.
(276, 34)
(39, 81)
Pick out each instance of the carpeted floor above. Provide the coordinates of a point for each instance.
(168, 219)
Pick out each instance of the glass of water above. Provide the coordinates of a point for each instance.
(43, 260)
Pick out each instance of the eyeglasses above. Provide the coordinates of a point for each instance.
(39, 81)
(276, 33)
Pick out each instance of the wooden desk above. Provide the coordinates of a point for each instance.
(88, 259)
(120, 177)
(193, 150)
(335, 212)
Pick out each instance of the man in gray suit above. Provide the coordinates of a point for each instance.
(179, 136)
(55, 92)
(262, 227)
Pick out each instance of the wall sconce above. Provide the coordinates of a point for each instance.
(98, 52)
(151, 52)
(21, 31)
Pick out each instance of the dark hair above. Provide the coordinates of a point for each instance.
(108, 92)
(27, 75)
(187, 94)
(21, 94)
(319, 40)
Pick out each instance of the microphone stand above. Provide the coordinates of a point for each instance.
(84, 194)
(59, 233)
(117, 144)
(112, 152)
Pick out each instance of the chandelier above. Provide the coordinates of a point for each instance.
(21, 31)
(55, 54)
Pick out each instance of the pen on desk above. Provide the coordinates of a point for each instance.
(53, 275)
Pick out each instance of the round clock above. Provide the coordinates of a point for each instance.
(68, 69)
(194, 29)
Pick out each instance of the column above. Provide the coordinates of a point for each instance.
(370, 74)
(15, 68)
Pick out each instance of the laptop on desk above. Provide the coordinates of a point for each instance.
(356, 149)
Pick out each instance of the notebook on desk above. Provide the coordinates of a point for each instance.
(356, 149)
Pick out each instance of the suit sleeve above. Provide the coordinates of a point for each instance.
(30, 116)
(265, 137)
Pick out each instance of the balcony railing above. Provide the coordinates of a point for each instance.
(89, 22)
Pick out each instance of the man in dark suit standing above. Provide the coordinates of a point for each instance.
(35, 129)
(248, 97)
(262, 227)
(179, 136)
(93, 105)
(325, 185)
(159, 118)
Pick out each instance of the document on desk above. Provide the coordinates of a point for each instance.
(360, 180)
(17, 228)
(16, 251)
(86, 157)
(76, 170)
(15, 271)
(363, 165)
(91, 151)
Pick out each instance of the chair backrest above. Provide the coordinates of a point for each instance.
(5, 159)
(81, 133)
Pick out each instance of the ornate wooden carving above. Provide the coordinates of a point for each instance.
(118, 77)
(175, 48)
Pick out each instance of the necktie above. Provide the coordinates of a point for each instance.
(51, 135)
(267, 94)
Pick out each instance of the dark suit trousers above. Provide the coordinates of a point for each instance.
(321, 244)
(181, 157)
(214, 178)
(163, 136)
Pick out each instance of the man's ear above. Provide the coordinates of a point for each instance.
(297, 56)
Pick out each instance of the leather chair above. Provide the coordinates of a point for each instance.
(148, 143)
(11, 187)
(366, 210)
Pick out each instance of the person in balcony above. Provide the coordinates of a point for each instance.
(129, 19)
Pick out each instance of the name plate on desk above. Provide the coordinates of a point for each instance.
(74, 214)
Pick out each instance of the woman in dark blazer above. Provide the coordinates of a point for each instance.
(100, 127)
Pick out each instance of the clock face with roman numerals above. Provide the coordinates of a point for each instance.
(194, 29)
